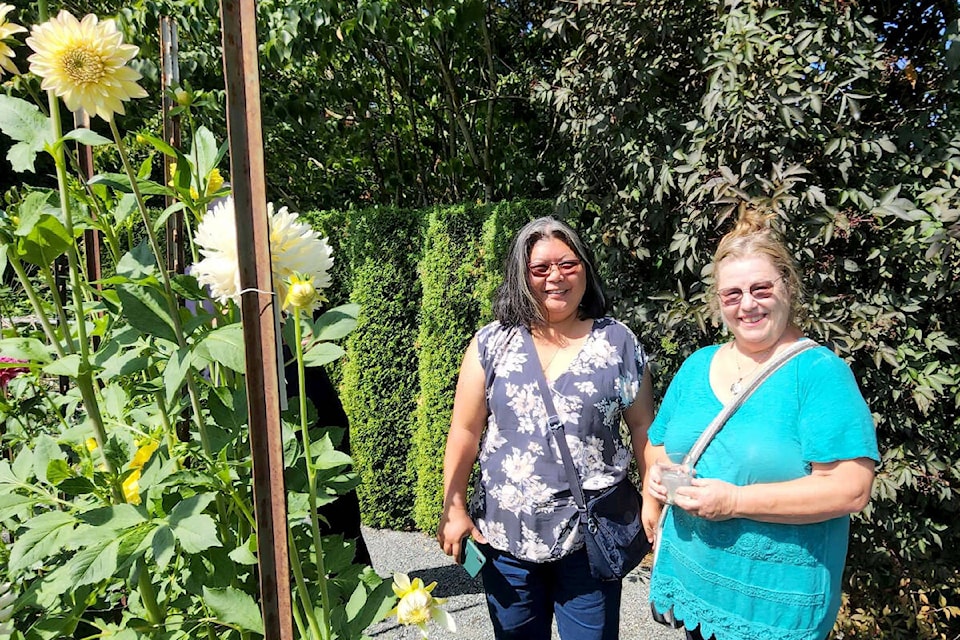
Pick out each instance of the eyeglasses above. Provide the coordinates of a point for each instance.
(543, 269)
(758, 291)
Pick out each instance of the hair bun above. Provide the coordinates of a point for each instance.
(751, 219)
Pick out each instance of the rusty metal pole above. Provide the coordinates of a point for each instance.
(170, 77)
(257, 305)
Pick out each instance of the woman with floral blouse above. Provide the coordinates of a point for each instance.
(521, 511)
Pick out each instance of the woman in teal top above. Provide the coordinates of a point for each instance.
(755, 546)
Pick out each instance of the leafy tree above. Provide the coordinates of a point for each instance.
(836, 116)
(378, 102)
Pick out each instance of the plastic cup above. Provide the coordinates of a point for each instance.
(674, 474)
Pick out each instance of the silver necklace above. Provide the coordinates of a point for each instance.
(556, 352)
(552, 358)
(737, 387)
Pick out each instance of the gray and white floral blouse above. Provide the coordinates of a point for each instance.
(522, 503)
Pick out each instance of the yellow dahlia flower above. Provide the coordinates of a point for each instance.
(214, 182)
(295, 249)
(84, 63)
(7, 29)
(131, 485)
(143, 454)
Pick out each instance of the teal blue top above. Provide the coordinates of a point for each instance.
(741, 579)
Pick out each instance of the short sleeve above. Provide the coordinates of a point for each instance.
(673, 399)
(835, 421)
(634, 364)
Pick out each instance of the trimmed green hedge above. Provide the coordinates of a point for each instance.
(381, 248)
(448, 317)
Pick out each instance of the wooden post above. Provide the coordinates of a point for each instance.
(170, 77)
(257, 305)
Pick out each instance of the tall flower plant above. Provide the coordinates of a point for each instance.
(128, 503)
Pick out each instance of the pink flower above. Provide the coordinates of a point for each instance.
(9, 373)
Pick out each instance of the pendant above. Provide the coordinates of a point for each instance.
(735, 388)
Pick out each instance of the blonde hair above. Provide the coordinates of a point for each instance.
(753, 235)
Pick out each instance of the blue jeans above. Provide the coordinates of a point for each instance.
(523, 598)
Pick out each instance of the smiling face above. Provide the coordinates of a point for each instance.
(559, 294)
(756, 323)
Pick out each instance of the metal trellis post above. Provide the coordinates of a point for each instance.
(258, 308)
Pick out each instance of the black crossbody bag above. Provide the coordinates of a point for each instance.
(612, 532)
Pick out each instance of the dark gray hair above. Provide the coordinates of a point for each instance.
(514, 302)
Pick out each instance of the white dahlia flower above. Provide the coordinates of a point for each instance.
(7, 29)
(295, 249)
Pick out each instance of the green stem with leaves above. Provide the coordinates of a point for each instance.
(311, 473)
(84, 378)
(47, 274)
(36, 304)
(302, 592)
(148, 595)
(171, 299)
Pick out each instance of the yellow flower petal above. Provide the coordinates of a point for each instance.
(84, 63)
(401, 584)
(7, 29)
(214, 182)
(131, 487)
(414, 608)
(143, 454)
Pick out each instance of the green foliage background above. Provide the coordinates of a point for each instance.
(645, 124)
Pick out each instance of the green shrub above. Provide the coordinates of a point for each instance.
(379, 380)
(836, 120)
(462, 265)
(448, 272)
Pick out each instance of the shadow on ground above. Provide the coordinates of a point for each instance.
(451, 580)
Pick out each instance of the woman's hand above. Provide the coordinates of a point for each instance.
(650, 517)
(709, 499)
(455, 524)
(654, 484)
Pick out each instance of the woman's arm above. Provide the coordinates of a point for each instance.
(831, 490)
(463, 440)
(638, 417)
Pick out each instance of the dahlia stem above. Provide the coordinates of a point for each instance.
(148, 595)
(311, 473)
(302, 591)
(47, 274)
(36, 304)
(167, 288)
(84, 378)
(169, 431)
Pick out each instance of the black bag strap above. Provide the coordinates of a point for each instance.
(556, 427)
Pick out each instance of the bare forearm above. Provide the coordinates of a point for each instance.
(461, 453)
(840, 490)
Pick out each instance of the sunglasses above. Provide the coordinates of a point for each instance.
(758, 291)
(543, 269)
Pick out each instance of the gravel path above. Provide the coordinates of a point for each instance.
(418, 555)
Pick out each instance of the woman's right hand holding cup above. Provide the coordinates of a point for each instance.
(668, 475)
